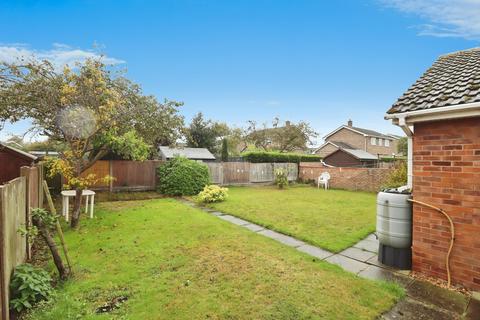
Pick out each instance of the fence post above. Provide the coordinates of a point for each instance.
(25, 172)
(4, 313)
(110, 173)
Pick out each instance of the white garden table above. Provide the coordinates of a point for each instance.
(89, 194)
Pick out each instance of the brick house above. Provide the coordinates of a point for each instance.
(440, 114)
(350, 137)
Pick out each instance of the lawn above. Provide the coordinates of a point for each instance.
(177, 262)
(332, 219)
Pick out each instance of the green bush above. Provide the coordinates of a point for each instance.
(181, 177)
(28, 286)
(281, 178)
(264, 156)
(213, 193)
(398, 177)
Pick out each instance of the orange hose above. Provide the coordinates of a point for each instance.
(452, 233)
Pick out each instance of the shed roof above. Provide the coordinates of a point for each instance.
(453, 79)
(18, 151)
(360, 154)
(190, 153)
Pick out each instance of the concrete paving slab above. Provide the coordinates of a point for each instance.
(357, 254)
(473, 311)
(347, 264)
(376, 273)
(287, 240)
(216, 213)
(253, 227)
(440, 297)
(315, 251)
(409, 309)
(367, 245)
(234, 220)
(371, 237)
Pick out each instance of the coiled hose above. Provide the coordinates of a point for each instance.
(452, 234)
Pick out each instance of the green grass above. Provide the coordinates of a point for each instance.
(177, 262)
(332, 219)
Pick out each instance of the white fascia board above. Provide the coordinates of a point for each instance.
(440, 113)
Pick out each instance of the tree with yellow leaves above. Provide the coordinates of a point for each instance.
(88, 107)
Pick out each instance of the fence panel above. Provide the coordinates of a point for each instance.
(100, 169)
(261, 172)
(236, 172)
(216, 172)
(13, 246)
(134, 175)
(292, 169)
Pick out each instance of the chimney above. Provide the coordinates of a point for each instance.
(287, 123)
(350, 123)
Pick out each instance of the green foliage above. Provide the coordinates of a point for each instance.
(46, 217)
(402, 145)
(204, 133)
(28, 286)
(213, 193)
(264, 156)
(224, 150)
(392, 159)
(129, 145)
(398, 177)
(181, 176)
(281, 178)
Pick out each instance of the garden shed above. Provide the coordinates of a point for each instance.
(11, 160)
(345, 157)
(440, 113)
(201, 154)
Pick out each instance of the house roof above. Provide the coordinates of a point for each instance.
(365, 132)
(341, 144)
(190, 153)
(18, 151)
(360, 154)
(453, 79)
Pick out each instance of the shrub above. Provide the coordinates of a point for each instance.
(213, 193)
(28, 286)
(281, 178)
(398, 177)
(181, 176)
(264, 156)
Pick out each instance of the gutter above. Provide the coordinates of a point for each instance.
(406, 120)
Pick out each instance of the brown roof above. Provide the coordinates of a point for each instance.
(453, 79)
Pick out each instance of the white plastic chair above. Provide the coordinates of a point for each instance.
(323, 180)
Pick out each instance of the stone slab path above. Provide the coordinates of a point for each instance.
(424, 301)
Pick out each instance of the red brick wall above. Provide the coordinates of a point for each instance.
(446, 173)
(361, 179)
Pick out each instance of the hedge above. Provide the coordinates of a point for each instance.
(264, 156)
(181, 176)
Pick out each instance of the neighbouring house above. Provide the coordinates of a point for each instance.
(348, 157)
(350, 137)
(440, 113)
(200, 154)
(11, 160)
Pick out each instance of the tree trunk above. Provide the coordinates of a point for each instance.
(77, 206)
(57, 258)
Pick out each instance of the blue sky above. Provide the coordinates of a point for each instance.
(319, 61)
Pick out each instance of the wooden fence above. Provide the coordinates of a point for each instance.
(361, 179)
(17, 197)
(226, 173)
(128, 175)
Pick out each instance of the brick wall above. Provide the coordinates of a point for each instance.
(348, 136)
(447, 175)
(326, 150)
(362, 179)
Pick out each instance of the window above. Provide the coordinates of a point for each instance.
(380, 142)
(373, 141)
(387, 143)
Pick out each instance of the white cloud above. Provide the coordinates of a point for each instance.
(446, 18)
(59, 55)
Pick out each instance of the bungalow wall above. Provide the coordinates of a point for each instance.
(446, 174)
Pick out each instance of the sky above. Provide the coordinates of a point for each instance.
(315, 60)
